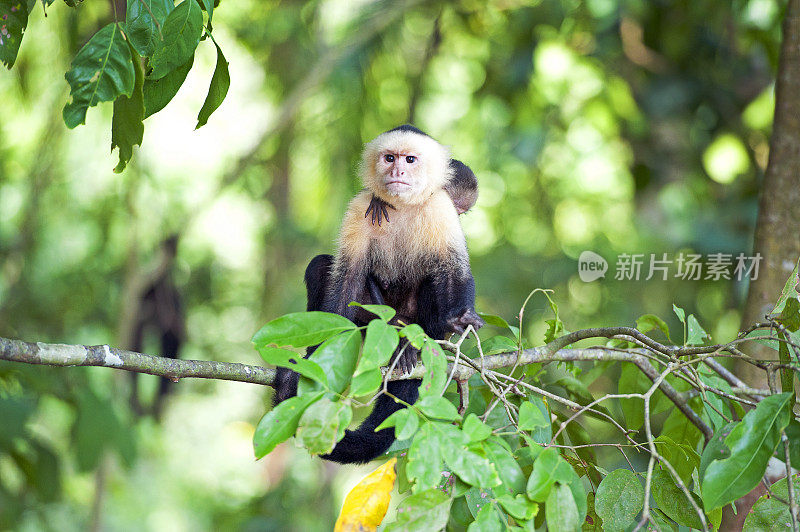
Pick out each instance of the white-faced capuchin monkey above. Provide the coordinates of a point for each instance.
(418, 264)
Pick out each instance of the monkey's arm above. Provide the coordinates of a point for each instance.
(446, 301)
(348, 283)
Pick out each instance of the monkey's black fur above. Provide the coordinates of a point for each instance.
(363, 444)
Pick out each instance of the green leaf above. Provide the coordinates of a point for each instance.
(280, 423)
(337, 357)
(15, 412)
(95, 422)
(682, 457)
(578, 493)
(159, 92)
(520, 507)
(437, 407)
(678, 427)
(220, 82)
(530, 417)
(787, 375)
(793, 433)
(497, 321)
(673, 501)
(679, 312)
(498, 344)
(555, 329)
(619, 498)
(541, 435)
(366, 382)
(477, 498)
(770, 513)
(487, 520)
(14, 16)
(380, 342)
(592, 523)
(435, 376)
(127, 129)
(424, 511)
(476, 429)
(548, 469)
(648, 322)
(301, 329)
(631, 380)
(181, 33)
(208, 7)
(752, 443)
(293, 361)
(508, 469)
(789, 290)
(414, 334)
(560, 510)
(101, 72)
(715, 449)
(711, 379)
(384, 312)
(424, 459)
(470, 466)
(405, 421)
(696, 334)
(41, 468)
(790, 315)
(661, 519)
(141, 28)
(323, 424)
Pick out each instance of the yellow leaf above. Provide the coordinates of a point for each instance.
(366, 504)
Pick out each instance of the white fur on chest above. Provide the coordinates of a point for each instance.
(413, 236)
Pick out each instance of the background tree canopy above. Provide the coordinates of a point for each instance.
(622, 128)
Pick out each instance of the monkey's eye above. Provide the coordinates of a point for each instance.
(410, 159)
(389, 158)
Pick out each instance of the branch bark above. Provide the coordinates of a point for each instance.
(111, 357)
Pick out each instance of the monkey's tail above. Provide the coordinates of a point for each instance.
(364, 444)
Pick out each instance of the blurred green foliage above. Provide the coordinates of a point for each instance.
(632, 127)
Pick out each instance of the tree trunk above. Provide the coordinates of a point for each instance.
(777, 236)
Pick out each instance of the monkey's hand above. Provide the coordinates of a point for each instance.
(458, 324)
(408, 358)
(378, 209)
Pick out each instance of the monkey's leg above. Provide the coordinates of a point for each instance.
(316, 279)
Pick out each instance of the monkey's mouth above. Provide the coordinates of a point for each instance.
(398, 182)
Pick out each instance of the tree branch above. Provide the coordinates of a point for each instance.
(459, 370)
(111, 357)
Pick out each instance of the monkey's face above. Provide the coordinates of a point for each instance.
(404, 167)
(401, 173)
